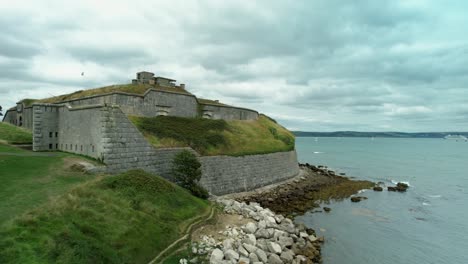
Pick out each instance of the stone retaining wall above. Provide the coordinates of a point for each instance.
(226, 174)
(126, 148)
(106, 133)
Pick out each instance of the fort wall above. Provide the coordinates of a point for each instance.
(124, 148)
(228, 113)
(226, 174)
(75, 130)
(10, 116)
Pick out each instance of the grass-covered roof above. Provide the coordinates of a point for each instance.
(125, 88)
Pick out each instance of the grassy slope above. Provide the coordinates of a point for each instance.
(127, 218)
(28, 181)
(14, 134)
(216, 137)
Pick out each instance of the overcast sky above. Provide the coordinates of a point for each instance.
(312, 65)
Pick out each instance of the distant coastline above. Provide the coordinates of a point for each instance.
(378, 134)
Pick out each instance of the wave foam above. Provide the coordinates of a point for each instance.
(317, 152)
(405, 182)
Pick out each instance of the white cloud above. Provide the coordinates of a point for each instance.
(398, 65)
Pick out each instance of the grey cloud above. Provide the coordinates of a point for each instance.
(13, 48)
(341, 65)
(109, 55)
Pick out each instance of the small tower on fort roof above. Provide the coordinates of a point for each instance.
(145, 77)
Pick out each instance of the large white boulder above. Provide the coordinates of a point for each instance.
(250, 228)
(250, 239)
(274, 259)
(249, 248)
(262, 255)
(231, 254)
(274, 248)
(216, 256)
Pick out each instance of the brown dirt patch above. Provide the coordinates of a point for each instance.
(220, 224)
(77, 164)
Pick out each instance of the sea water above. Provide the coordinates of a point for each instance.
(427, 224)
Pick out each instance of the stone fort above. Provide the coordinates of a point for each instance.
(95, 123)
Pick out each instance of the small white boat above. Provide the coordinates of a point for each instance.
(456, 137)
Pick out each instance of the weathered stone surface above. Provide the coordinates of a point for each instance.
(250, 228)
(285, 242)
(262, 170)
(287, 256)
(253, 257)
(227, 243)
(262, 233)
(244, 260)
(249, 248)
(242, 251)
(274, 248)
(231, 254)
(250, 239)
(261, 255)
(216, 256)
(274, 259)
(312, 238)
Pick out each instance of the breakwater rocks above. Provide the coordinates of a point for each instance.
(316, 185)
(265, 238)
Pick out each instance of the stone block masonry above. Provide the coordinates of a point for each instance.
(124, 148)
(106, 133)
(226, 174)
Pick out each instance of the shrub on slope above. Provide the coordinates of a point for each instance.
(127, 218)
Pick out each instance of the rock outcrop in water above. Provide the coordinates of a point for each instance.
(357, 199)
(400, 187)
(378, 189)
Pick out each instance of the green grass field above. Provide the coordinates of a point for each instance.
(28, 181)
(216, 137)
(13, 134)
(128, 218)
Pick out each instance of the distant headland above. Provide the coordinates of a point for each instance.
(378, 134)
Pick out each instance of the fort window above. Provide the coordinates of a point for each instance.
(56, 146)
(20, 121)
(66, 146)
(81, 148)
(61, 146)
(56, 134)
(50, 146)
(76, 147)
(92, 148)
(50, 134)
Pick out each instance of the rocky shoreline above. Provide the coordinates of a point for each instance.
(261, 230)
(265, 237)
(317, 184)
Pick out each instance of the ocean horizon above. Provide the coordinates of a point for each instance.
(427, 224)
